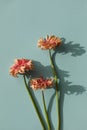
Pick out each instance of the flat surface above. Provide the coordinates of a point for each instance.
(22, 23)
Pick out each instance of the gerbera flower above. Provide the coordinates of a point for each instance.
(41, 83)
(50, 42)
(20, 66)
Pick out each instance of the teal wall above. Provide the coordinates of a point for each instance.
(22, 23)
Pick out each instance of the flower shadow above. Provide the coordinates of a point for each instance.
(41, 70)
(70, 47)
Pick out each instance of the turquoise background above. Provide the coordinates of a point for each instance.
(22, 23)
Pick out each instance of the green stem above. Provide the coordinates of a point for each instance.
(34, 104)
(56, 83)
(46, 114)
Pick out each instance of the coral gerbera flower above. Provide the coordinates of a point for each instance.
(41, 83)
(50, 42)
(20, 66)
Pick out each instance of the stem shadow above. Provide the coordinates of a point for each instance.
(66, 87)
(50, 109)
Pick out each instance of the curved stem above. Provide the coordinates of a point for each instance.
(34, 104)
(56, 83)
(46, 114)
